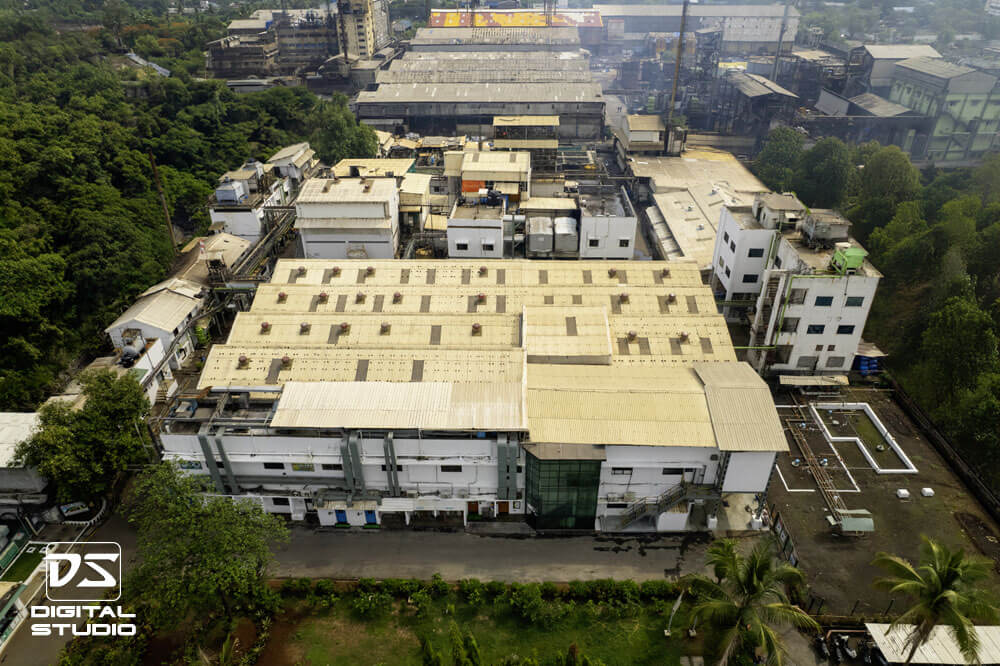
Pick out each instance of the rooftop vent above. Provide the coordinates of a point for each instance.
(335, 270)
(477, 328)
(612, 272)
(632, 335)
(326, 185)
(665, 272)
(684, 336)
(282, 297)
(397, 297)
(265, 327)
(481, 297)
(323, 297)
(483, 270)
(359, 298)
(286, 361)
(623, 297)
(384, 328)
(344, 327)
(367, 185)
(304, 327)
(370, 270)
(671, 298)
(244, 361)
(302, 270)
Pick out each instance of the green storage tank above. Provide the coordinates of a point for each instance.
(848, 259)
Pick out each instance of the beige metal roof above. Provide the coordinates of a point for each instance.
(496, 165)
(373, 167)
(164, 310)
(567, 335)
(549, 203)
(940, 647)
(645, 123)
(426, 405)
(525, 121)
(741, 407)
(525, 144)
(288, 152)
(813, 380)
(553, 451)
(227, 247)
(346, 190)
(343, 223)
(416, 183)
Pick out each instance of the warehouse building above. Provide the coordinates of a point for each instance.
(496, 39)
(354, 218)
(582, 395)
(746, 29)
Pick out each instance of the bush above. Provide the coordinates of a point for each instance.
(578, 590)
(401, 588)
(324, 588)
(495, 589)
(366, 585)
(473, 591)
(550, 591)
(437, 588)
(371, 604)
(422, 601)
(428, 655)
(660, 590)
(296, 588)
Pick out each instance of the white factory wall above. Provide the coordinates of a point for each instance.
(243, 223)
(731, 259)
(608, 231)
(748, 471)
(354, 210)
(634, 472)
(477, 236)
(373, 243)
(183, 349)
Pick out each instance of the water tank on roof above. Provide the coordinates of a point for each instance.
(567, 237)
(540, 236)
(230, 192)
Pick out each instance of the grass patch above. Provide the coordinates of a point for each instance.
(22, 567)
(337, 636)
(872, 438)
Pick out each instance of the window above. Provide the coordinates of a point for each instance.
(830, 348)
(621, 471)
(815, 329)
(622, 242)
(756, 252)
(721, 263)
(728, 272)
(797, 296)
(835, 362)
(789, 325)
(806, 362)
(819, 348)
(451, 468)
(725, 237)
(189, 464)
(487, 247)
(399, 468)
(303, 467)
(845, 329)
(777, 262)
(593, 242)
(461, 246)
(336, 467)
(617, 505)
(750, 279)
(279, 501)
(732, 246)
(274, 465)
(673, 471)
(854, 301)
(824, 301)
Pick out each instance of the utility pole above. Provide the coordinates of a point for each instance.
(677, 74)
(781, 37)
(163, 201)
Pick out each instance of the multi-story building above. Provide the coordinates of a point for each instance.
(537, 135)
(961, 101)
(804, 283)
(355, 218)
(305, 39)
(477, 230)
(364, 27)
(641, 135)
(582, 395)
(296, 162)
(242, 196)
(239, 56)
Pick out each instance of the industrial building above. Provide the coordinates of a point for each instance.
(239, 204)
(871, 66)
(587, 22)
(683, 196)
(746, 29)
(456, 80)
(296, 162)
(582, 395)
(364, 27)
(641, 135)
(804, 283)
(341, 218)
(749, 104)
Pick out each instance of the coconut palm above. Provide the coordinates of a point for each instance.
(944, 592)
(748, 601)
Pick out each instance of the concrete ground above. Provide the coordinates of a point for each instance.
(407, 554)
(838, 568)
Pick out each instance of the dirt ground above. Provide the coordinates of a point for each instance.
(838, 568)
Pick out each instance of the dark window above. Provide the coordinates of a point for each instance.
(845, 330)
(621, 471)
(594, 242)
(756, 252)
(279, 501)
(274, 465)
(728, 272)
(732, 246)
(461, 246)
(399, 468)
(520, 469)
(777, 262)
(617, 505)
(487, 247)
(824, 301)
(622, 242)
(725, 237)
(336, 467)
(451, 468)
(854, 301)
(673, 471)
(835, 362)
(815, 329)
(749, 279)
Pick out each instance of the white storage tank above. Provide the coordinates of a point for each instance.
(540, 236)
(567, 238)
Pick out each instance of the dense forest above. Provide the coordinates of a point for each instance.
(82, 231)
(935, 236)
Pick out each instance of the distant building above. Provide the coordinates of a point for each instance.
(364, 27)
(642, 135)
(871, 66)
(961, 101)
(355, 218)
(18, 484)
(751, 104)
(296, 162)
(804, 283)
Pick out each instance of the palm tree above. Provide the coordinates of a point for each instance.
(748, 601)
(944, 592)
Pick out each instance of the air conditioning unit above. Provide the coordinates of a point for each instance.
(462, 492)
(445, 493)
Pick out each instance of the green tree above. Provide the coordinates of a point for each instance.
(742, 610)
(83, 451)
(944, 591)
(889, 175)
(822, 173)
(775, 165)
(337, 135)
(198, 555)
(958, 345)
(722, 557)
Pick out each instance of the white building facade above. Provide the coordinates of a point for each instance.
(607, 226)
(341, 218)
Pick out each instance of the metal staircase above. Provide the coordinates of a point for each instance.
(667, 500)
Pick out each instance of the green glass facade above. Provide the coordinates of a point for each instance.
(563, 493)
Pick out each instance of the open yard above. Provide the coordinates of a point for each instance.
(838, 568)
(22, 566)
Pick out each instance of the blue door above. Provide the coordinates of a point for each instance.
(370, 517)
(341, 516)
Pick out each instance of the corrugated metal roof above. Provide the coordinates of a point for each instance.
(375, 167)
(334, 223)
(938, 67)
(346, 190)
(563, 335)
(901, 51)
(495, 162)
(940, 648)
(525, 121)
(402, 93)
(773, 11)
(879, 106)
(165, 310)
(741, 408)
(553, 451)
(496, 36)
(818, 380)
(645, 123)
(288, 152)
(425, 405)
(549, 203)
